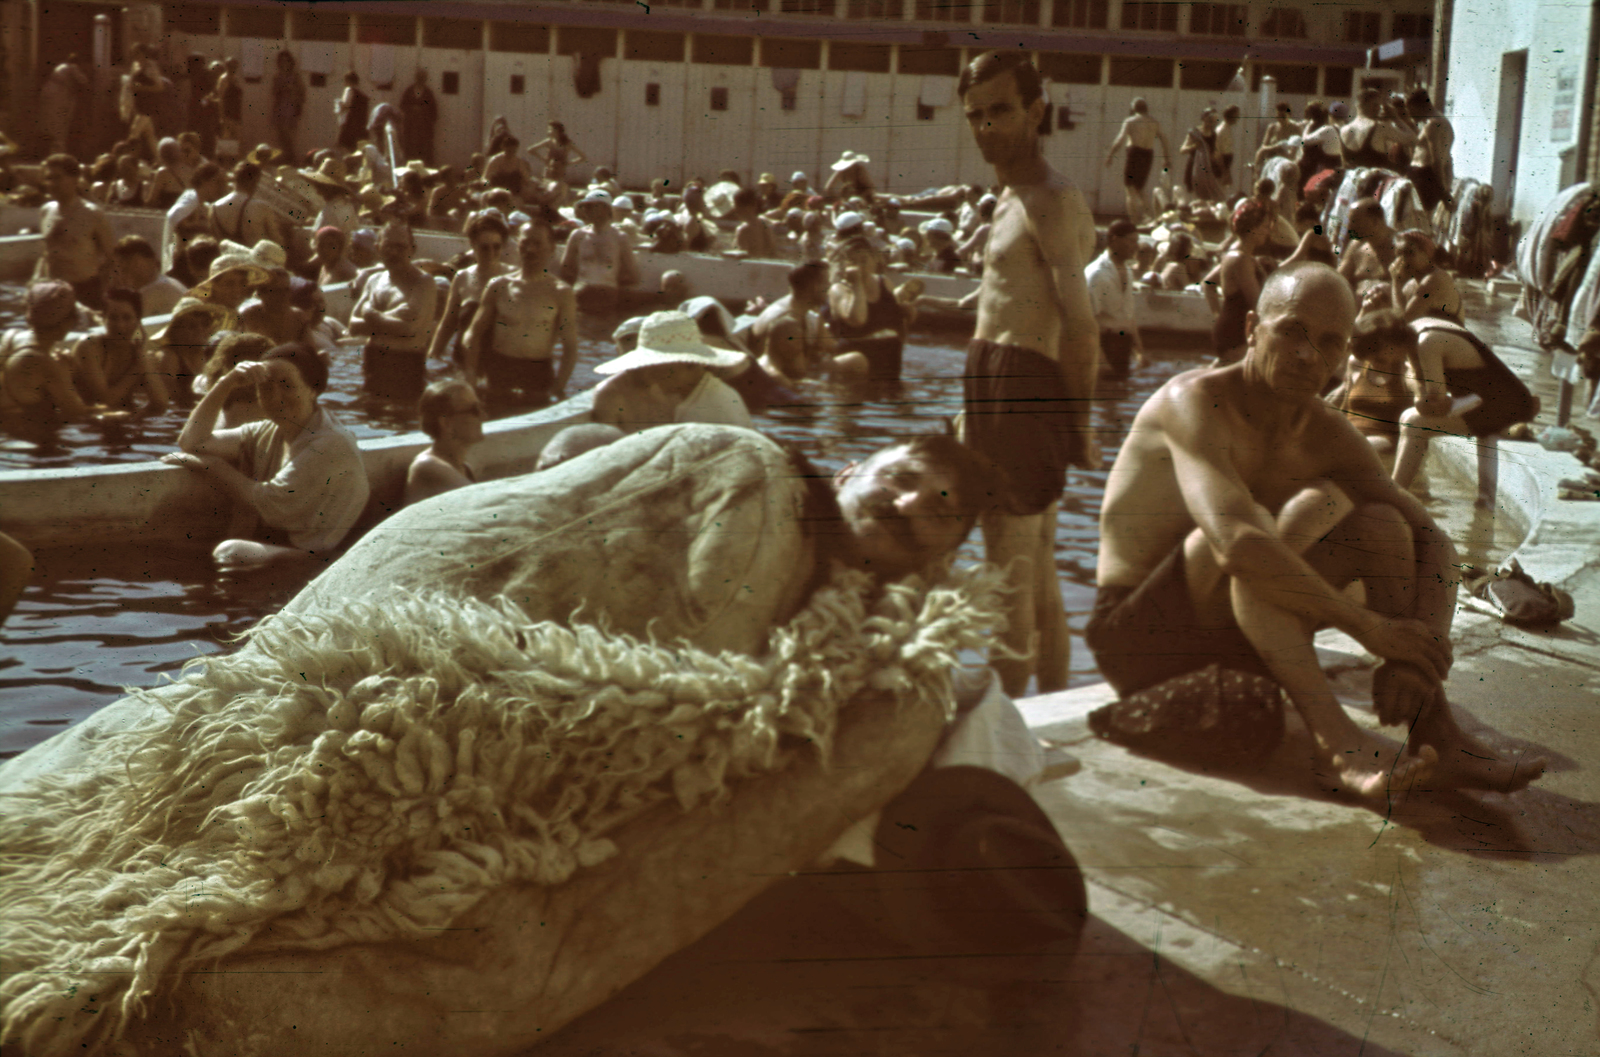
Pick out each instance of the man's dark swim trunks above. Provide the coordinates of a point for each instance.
(1136, 167)
(1148, 634)
(1021, 417)
(1429, 187)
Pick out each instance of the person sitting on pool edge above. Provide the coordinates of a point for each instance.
(453, 417)
(299, 471)
(1238, 510)
(668, 378)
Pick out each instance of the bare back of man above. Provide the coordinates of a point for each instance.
(1138, 135)
(1032, 364)
(1239, 509)
(77, 241)
(246, 220)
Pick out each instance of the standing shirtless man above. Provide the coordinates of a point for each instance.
(77, 236)
(514, 333)
(1139, 134)
(1432, 171)
(1032, 363)
(1239, 509)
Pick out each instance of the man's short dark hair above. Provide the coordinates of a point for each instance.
(744, 198)
(305, 359)
(65, 163)
(1382, 327)
(973, 474)
(812, 271)
(206, 171)
(483, 221)
(1119, 228)
(246, 174)
(132, 298)
(134, 246)
(436, 401)
(1139, 105)
(1231, 113)
(992, 64)
(1419, 99)
(200, 253)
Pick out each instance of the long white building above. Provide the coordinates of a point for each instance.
(680, 88)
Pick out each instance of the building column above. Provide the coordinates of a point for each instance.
(1439, 57)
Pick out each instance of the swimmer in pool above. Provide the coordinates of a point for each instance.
(597, 260)
(35, 377)
(452, 417)
(113, 368)
(77, 236)
(790, 338)
(512, 339)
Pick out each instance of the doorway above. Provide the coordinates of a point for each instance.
(1508, 129)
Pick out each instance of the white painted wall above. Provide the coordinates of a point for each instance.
(1554, 34)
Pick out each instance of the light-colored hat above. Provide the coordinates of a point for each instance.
(766, 178)
(697, 308)
(624, 204)
(848, 159)
(670, 337)
(845, 221)
(939, 224)
(256, 262)
(796, 176)
(188, 305)
(596, 194)
(1338, 111)
(628, 328)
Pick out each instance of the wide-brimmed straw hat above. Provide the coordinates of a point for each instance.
(186, 306)
(256, 262)
(697, 308)
(849, 158)
(268, 157)
(670, 337)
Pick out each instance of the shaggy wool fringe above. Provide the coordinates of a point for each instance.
(371, 773)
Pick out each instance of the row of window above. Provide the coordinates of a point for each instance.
(1206, 19)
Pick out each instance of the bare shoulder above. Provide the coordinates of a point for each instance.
(1199, 401)
(1055, 205)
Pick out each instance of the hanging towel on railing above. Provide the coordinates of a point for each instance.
(787, 84)
(854, 103)
(586, 74)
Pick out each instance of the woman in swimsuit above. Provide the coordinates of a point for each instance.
(1320, 148)
(162, 189)
(557, 152)
(1418, 286)
(1239, 277)
(506, 168)
(863, 312)
(1467, 391)
(487, 234)
(452, 416)
(112, 367)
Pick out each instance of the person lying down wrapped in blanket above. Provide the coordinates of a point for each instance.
(521, 743)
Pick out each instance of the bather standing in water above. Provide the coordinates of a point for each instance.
(486, 233)
(452, 417)
(1031, 367)
(598, 261)
(113, 368)
(513, 336)
(35, 380)
(395, 312)
(77, 235)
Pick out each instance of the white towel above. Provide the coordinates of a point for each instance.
(937, 90)
(854, 103)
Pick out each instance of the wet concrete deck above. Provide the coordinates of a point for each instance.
(1236, 913)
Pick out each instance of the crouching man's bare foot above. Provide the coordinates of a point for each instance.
(1464, 761)
(1372, 767)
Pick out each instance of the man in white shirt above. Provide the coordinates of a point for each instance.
(1111, 293)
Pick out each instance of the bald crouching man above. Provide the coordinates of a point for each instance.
(1239, 509)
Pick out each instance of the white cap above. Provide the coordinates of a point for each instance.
(939, 224)
(596, 194)
(624, 203)
(846, 221)
(796, 176)
(988, 198)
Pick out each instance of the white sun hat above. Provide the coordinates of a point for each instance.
(849, 158)
(845, 221)
(670, 337)
(939, 224)
(596, 194)
(796, 176)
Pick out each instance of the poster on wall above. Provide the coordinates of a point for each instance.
(1563, 109)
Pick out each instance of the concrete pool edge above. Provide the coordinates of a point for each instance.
(153, 503)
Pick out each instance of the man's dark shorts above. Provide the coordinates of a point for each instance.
(392, 374)
(1429, 187)
(1019, 415)
(1136, 166)
(506, 374)
(1148, 634)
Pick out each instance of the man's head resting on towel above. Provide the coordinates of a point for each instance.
(902, 508)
